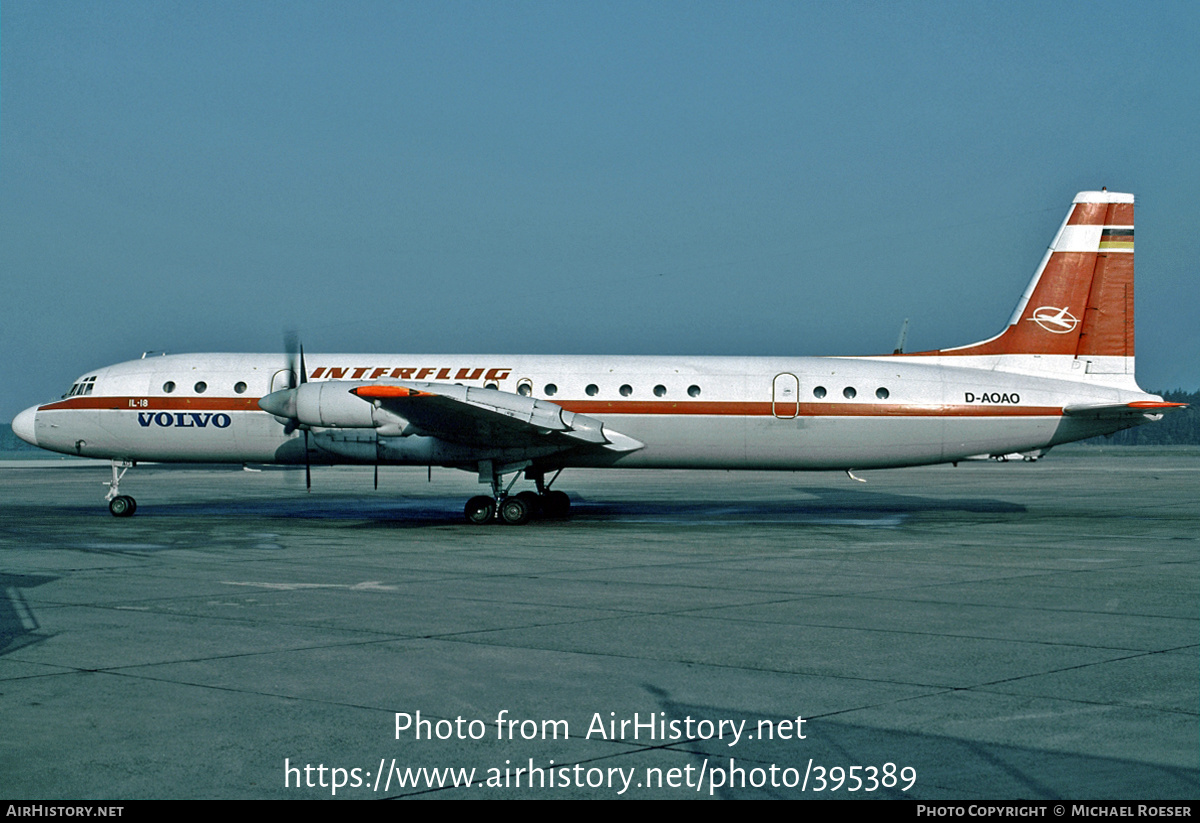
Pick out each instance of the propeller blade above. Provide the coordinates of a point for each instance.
(295, 356)
(282, 403)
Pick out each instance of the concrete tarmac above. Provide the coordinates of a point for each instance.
(992, 631)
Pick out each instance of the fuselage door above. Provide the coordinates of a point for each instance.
(785, 396)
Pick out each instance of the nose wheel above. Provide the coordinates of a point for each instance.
(120, 505)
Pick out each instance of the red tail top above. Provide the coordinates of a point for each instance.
(1080, 301)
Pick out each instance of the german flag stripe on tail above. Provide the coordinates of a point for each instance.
(1116, 239)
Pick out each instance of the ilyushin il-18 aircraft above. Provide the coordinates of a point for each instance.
(1061, 370)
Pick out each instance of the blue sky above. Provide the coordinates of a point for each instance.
(704, 178)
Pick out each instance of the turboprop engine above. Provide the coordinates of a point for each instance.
(330, 404)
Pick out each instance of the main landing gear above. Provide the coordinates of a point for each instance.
(120, 505)
(517, 509)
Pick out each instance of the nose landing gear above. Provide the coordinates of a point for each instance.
(120, 505)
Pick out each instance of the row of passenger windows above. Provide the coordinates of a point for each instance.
(201, 387)
(850, 392)
(524, 388)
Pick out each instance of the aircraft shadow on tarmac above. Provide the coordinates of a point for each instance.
(818, 506)
(812, 506)
(18, 625)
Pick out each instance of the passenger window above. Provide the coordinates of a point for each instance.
(201, 387)
(626, 390)
(693, 391)
(239, 387)
(525, 387)
(819, 392)
(882, 393)
(550, 390)
(591, 389)
(849, 393)
(169, 386)
(660, 390)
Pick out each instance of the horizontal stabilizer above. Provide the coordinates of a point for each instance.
(1114, 411)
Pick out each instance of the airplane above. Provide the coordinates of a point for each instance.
(1062, 369)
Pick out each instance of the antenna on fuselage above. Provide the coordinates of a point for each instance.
(900, 341)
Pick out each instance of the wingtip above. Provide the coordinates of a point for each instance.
(1156, 404)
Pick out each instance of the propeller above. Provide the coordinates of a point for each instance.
(903, 337)
(295, 351)
(295, 364)
(282, 402)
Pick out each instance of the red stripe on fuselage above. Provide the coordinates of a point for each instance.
(155, 403)
(736, 409)
(713, 408)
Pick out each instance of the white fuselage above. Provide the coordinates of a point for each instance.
(787, 413)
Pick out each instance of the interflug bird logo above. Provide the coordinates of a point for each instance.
(1054, 319)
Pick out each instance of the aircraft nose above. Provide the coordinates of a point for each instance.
(22, 426)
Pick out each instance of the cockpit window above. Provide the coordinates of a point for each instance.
(83, 386)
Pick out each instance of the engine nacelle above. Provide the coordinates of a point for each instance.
(329, 404)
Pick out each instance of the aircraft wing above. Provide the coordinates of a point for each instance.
(489, 417)
(1115, 411)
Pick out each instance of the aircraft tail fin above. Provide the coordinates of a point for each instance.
(1077, 311)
